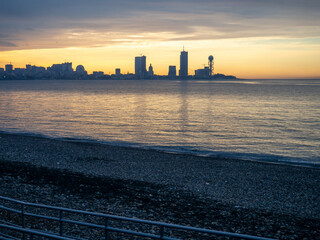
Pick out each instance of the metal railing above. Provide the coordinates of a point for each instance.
(61, 219)
(30, 232)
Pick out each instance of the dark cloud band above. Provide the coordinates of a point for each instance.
(38, 23)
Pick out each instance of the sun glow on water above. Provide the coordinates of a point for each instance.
(264, 120)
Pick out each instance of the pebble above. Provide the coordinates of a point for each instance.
(247, 186)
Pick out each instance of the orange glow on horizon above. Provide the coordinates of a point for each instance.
(244, 58)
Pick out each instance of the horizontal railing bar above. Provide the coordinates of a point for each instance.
(41, 216)
(9, 223)
(84, 212)
(7, 236)
(12, 200)
(33, 232)
(114, 217)
(9, 209)
(121, 230)
(134, 233)
(2, 238)
(120, 218)
(83, 223)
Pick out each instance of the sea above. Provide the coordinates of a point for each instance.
(275, 121)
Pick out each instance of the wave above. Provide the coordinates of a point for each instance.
(253, 157)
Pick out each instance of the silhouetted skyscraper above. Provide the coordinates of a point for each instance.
(140, 67)
(9, 68)
(150, 72)
(183, 72)
(172, 72)
(118, 72)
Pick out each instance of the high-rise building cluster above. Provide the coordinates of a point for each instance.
(140, 69)
(65, 71)
(142, 73)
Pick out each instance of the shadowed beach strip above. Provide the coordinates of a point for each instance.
(231, 195)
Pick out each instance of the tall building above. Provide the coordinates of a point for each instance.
(183, 72)
(150, 72)
(140, 67)
(9, 68)
(118, 72)
(172, 72)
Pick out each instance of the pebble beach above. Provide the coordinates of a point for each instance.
(270, 200)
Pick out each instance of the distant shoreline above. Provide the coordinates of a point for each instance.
(124, 77)
(167, 79)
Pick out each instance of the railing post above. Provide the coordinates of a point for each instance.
(60, 223)
(22, 216)
(106, 231)
(23, 223)
(161, 231)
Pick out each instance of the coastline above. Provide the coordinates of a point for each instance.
(179, 150)
(276, 194)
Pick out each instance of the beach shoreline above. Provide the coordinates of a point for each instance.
(279, 194)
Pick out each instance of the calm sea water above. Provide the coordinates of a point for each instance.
(265, 120)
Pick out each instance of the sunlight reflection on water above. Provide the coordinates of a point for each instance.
(258, 118)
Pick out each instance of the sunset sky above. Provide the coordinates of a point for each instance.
(248, 38)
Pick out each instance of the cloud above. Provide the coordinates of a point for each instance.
(70, 23)
(6, 44)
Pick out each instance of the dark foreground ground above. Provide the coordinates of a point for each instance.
(237, 196)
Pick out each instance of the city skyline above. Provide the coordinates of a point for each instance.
(140, 67)
(251, 39)
(66, 71)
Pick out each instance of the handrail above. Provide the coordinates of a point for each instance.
(161, 225)
(32, 232)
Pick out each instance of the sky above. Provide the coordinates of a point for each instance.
(248, 38)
